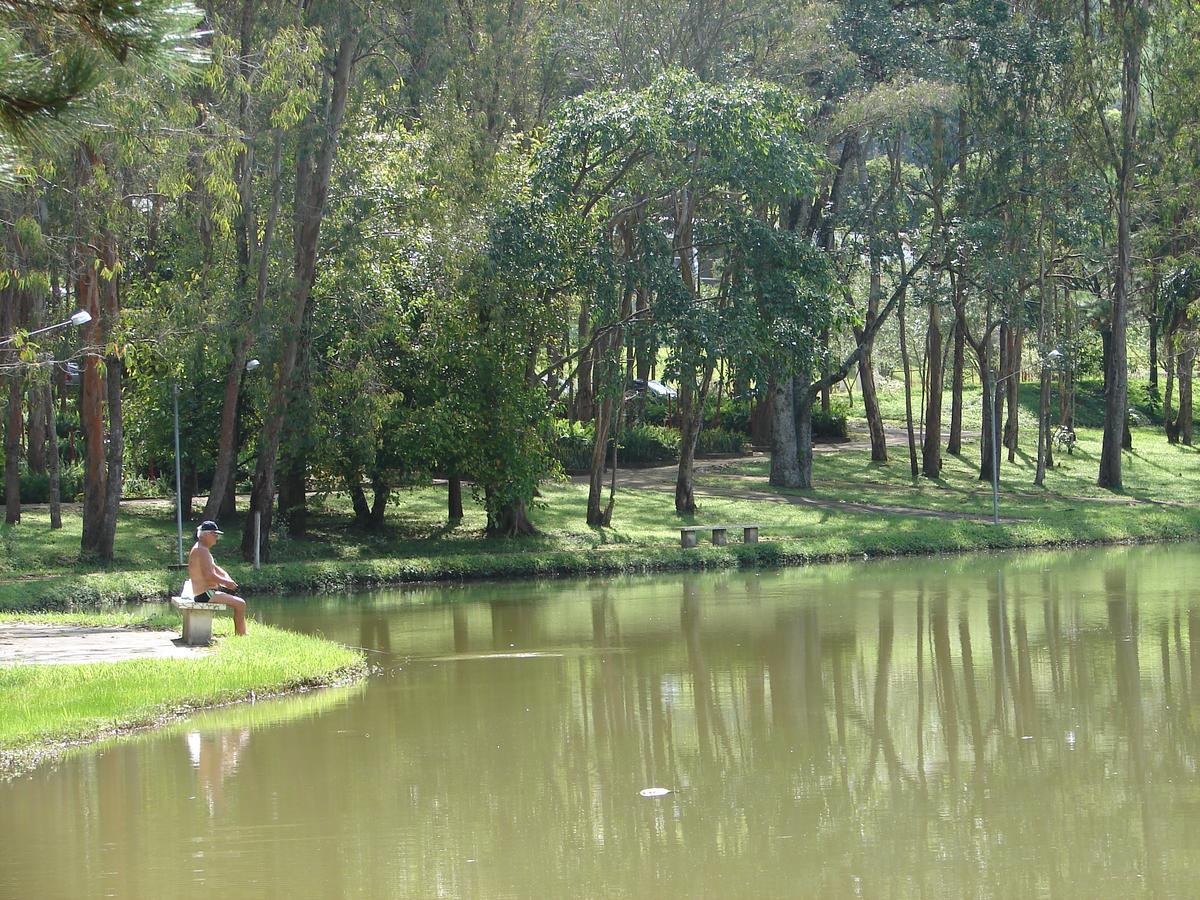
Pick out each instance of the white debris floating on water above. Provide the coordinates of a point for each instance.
(654, 792)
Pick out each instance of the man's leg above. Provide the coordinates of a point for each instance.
(238, 605)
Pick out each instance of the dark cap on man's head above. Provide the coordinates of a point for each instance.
(209, 525)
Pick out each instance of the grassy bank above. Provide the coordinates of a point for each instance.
(46, 707)
(857, 507)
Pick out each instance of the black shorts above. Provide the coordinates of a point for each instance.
(204, 596)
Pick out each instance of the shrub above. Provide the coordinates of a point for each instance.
(735, 415)
(832, 425)
(640, 444)
(138, 487)
(651, 410)
(649, 444)
(36, 488)
(573, 443)
(719, 440)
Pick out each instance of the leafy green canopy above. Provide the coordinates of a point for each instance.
(691, 169)
(53, 54)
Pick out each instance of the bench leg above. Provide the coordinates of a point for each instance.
(197, 629)
(718, 537)
(750, 535)
(687, 539)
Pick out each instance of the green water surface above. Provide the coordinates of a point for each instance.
(991, 726)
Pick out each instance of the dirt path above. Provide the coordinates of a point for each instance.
(22, 644)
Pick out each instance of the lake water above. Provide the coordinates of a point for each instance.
(1003, 725)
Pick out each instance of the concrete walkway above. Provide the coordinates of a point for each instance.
(22, 644)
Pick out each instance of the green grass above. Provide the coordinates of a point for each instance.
(42, 705)
(1089, 403)
(1155, 472)
(142, 621)
(1161, 500)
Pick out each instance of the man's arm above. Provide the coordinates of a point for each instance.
(217, 574)
(223, 577)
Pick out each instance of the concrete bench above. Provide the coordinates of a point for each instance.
(687, 535)
(197, 620)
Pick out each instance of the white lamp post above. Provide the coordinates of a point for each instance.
(79, 317)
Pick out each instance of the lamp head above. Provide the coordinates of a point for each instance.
(1054, 355)
(80, 317)
(252, 364)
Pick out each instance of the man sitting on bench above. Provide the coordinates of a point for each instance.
(208, 578)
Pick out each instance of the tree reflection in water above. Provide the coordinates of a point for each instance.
(999, 726)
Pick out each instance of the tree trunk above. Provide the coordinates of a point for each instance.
(1183, 421)
(689, 432)
(358, 500)
(610, 374)
(454, 502)
(600, 430)
(1043, 429)
(187, 490)
(54, 463)
(954, 443)
(292, 500)
(990, 406)
(115, 368)
(379, 498)
(870, 399)
(1153, 338)
(908, 414)
(785, 460)
(958, 276)
(227, 443)
(1170, 425)
(866, 365)
(643, 349)
(91, 408)
(583, 393)
(803, 396)
(312, 189)
(224, 472)
(511, 520)
(1116, 396)
(1014, 339)
(1066, 378)
(1043, 448)
(931, 462)
(35, 445)
(13, 425)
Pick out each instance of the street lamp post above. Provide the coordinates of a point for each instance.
(993, 413)
(178, 480)
(251, 365)
(79, 317)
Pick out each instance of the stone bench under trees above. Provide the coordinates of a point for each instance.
(688, 536)
(197, 620)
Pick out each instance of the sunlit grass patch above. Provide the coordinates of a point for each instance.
(50, 703)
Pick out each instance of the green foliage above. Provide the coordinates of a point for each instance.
(35, 488)
(573, 445)
(718, 441)
(640, 445)
(831, 425)
(648, 444)
(52, 55)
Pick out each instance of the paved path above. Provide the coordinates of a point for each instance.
(22, 643)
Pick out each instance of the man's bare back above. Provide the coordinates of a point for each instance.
(210, 582)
